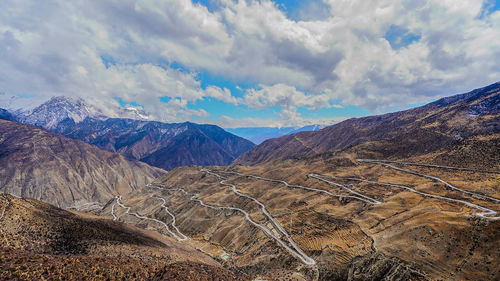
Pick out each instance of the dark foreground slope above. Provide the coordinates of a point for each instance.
(42, 242)
(39, 164)
(448, 122)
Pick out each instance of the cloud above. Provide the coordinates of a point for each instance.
(284, 96)
(103, 50)
(222, 95)
(229, 122)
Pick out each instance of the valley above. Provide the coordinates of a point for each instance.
(360, 200)
(326, 217)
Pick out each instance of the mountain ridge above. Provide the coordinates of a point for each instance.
(444, 122)
(138, 138)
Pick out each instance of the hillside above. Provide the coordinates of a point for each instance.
(331, 218)
(447, 122)
(42, 242)
(36, 163)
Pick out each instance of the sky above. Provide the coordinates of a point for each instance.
(247, 63)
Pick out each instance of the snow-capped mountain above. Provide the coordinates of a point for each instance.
(134, 135)
(51, 113)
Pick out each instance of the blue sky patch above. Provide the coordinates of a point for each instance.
(400, 37)
(489, 7)
(124, 103)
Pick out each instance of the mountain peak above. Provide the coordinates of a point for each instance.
(50, 113)
(58, 108)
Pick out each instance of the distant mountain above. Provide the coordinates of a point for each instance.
(49, 114)
(259, 134)
(36, 163)
(159, 144)
(443, 123)
(164, 145)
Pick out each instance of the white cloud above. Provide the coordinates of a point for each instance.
(56, 48)
(284, 96)
(229, 122)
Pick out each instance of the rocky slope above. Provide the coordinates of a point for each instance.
(42, 242)
(39, 164)
(426, 206)
(447, 122)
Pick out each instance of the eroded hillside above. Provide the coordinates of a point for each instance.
(36, 163)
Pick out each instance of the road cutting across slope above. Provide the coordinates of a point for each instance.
(306, 259)
(127, 211)
(113, 212)
(321, 178)
(486, 212)
(181, 236)
(304, 187)
(470, 193)
(428, 165)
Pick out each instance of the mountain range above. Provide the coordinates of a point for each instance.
(163, 145)
(409, 195)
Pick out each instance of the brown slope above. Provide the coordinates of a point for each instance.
(408, 236)
(39, 164)
(42, 242)
(437, 125)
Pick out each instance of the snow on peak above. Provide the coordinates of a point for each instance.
(57, 109)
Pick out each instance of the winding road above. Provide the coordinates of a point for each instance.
(299, 254)
(306, 259)
(487, 213)
(181, 236)
(366, 198)
(304, 187)
(118, 201)
(113, 212)
(427, 165)
(470, 193)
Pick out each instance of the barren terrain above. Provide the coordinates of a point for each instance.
(332, 218)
